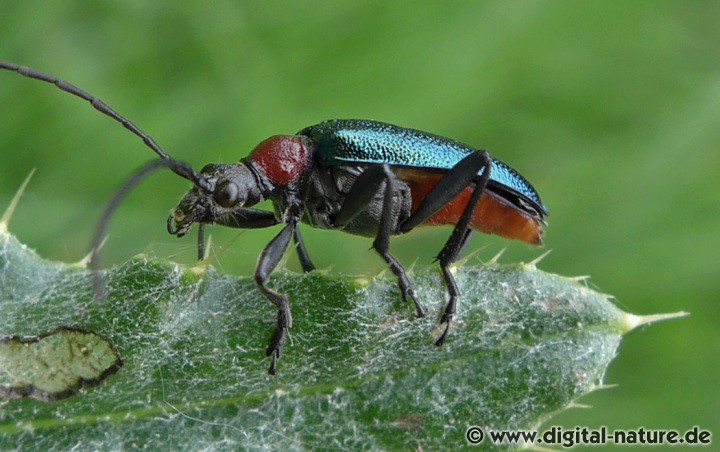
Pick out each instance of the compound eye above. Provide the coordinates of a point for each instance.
(227, 194)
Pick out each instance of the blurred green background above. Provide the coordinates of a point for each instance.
(611, 109)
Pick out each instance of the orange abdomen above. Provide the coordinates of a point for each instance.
(493, 214)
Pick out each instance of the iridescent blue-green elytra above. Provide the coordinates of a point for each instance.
(347, 141)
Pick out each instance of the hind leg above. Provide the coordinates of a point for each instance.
(455, 181)
(450, 252)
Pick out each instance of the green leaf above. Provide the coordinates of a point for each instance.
(359, 369)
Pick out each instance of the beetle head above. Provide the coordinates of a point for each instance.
(228, 187)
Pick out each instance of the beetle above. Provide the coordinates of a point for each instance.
(363, 177)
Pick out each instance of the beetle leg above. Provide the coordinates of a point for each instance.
(382, 241)
(457, 241)
(267, 262)
(244, 218)
(240, 218)
(305, 261)
(452, 183)
(361, 194)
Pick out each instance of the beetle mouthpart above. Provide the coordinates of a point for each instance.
(180, 228)
(170, 227)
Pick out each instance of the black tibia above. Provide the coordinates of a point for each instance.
(367, 185)
(303, 255)
(459, 237)
(267, 262)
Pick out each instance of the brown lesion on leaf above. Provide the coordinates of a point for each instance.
(55, 365)
(409, 421)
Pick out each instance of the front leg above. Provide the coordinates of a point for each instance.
(267, 262)
(245, 218)
(240, 218)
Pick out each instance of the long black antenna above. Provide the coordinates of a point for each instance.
(182, 169)
(114, 203)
